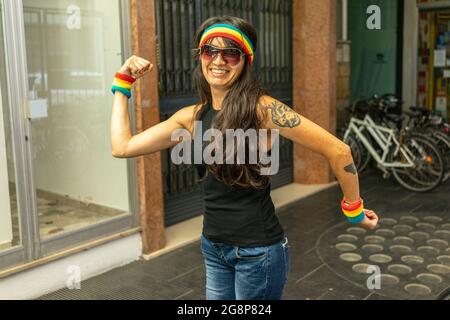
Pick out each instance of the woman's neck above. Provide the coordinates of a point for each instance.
(217, 98)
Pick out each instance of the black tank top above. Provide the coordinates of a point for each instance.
(239, 217)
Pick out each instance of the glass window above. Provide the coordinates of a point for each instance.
(73, 50)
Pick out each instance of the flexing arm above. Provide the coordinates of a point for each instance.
(300, 130)
(154, 139)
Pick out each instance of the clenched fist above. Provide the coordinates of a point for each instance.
(136, 67)
(370, 221)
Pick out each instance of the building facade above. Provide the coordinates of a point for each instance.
(64, 200)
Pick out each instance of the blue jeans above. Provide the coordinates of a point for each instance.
(240, 273)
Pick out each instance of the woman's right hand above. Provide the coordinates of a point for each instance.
(136, 67)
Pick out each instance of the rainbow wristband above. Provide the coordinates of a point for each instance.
(123, 84)
(353, 212)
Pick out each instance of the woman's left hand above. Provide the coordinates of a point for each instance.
(370, 221)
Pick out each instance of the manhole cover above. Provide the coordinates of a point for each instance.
(411, 254)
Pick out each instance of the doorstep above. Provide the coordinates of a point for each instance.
(189, 231)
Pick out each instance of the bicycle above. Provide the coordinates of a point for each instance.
(433, 126)
(413, 160)
(425, 123)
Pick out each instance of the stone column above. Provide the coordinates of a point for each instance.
(314, 81)
(146, 94)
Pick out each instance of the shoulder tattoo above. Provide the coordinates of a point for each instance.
(283, 116)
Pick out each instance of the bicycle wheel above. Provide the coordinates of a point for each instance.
(356, 149)
(365, 155)
(443, 143)
(428, 169)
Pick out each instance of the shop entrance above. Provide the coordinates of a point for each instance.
(433, 73)
(59, 185)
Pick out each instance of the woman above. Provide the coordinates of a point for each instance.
(244, 247)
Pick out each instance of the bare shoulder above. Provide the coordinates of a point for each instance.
(276, 114)
(186, 116)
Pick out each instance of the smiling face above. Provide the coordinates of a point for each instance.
(218, 73)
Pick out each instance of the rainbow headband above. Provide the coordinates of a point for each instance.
(232, 33)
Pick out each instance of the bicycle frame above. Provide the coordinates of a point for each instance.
(384, 137)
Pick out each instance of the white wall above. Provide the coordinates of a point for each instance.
(53, 276)
(71, 147)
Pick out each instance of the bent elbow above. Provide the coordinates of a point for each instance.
(119, 154)
(343, 151)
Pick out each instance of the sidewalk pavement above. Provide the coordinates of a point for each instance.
(330, 258)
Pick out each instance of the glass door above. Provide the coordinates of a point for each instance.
(73, 49)
(9, 216)
(15, 242)
(59, 184)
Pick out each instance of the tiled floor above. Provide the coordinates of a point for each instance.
(329, 257)
(57, 214)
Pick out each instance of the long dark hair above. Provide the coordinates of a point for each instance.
(239, 108)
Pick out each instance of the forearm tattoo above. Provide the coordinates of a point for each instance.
(283, 116)
(351, 169)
